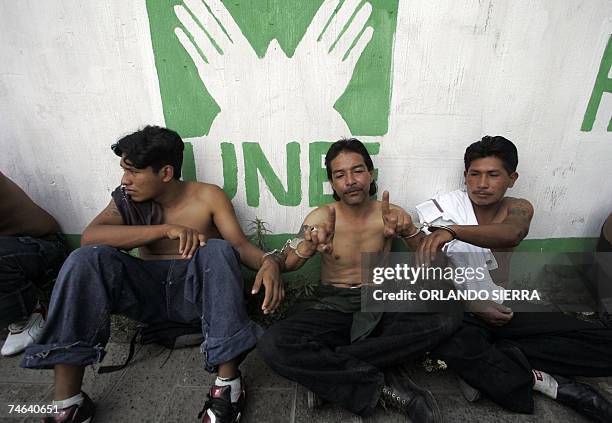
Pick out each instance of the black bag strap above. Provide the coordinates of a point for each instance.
(165, 334)
(110, 369)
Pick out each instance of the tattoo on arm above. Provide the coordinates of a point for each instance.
(518, 212)
(112, 211)
(522, 212)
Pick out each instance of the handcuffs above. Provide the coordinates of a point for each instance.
(295, 242)
(280, 255)
(430, 228)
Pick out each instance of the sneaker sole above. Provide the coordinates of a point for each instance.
(11, 354)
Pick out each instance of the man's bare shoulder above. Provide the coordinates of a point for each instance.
(519, 207)
(205, 192)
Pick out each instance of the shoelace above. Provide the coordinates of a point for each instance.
(219, 407)
(17, 327)
(396, 400)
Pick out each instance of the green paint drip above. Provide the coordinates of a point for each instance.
(189, 166)
(230, 169)
(256, 162)
(603, 84)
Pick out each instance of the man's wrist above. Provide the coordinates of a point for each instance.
(449, 229)
(275, 256)
(411, 233)
(304, 256)
(163, 230)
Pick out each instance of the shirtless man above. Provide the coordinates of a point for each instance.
(175, 224)
(503, 354)
(332, 348)
(31, 251)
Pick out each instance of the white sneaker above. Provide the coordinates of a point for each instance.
(24, 333)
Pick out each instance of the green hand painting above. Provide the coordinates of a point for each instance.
(307, 64)
(300, 90)
(256, 86)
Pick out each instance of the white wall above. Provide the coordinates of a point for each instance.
(75, 76)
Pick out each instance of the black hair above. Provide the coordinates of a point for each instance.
(497, 146)
(152, 146)
(355, 146)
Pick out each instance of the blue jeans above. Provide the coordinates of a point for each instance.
(97, 281)
(24, 263)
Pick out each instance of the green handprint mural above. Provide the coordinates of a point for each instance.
(357, 37)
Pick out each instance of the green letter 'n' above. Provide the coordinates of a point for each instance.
(256, 162)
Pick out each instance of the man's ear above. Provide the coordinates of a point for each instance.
(513, 177)
(464, 177)
(167, 173)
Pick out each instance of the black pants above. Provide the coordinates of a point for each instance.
(26, 262)
(498, 360)
(313, 348)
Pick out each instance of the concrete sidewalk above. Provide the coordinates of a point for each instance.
(158, 388)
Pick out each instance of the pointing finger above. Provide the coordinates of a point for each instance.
(331, 218)
(385, 203)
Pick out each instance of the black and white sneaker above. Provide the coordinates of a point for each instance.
(219, 408)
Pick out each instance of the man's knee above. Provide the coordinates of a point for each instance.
(219, 246)
(268, 345)
(454, 320)
(90, 254)
(84, 262)
(447, 324)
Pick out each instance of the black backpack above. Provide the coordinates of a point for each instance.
(171, 335)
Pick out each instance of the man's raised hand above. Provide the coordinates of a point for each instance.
(397, 222)
(189, 239)
(320, 237)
